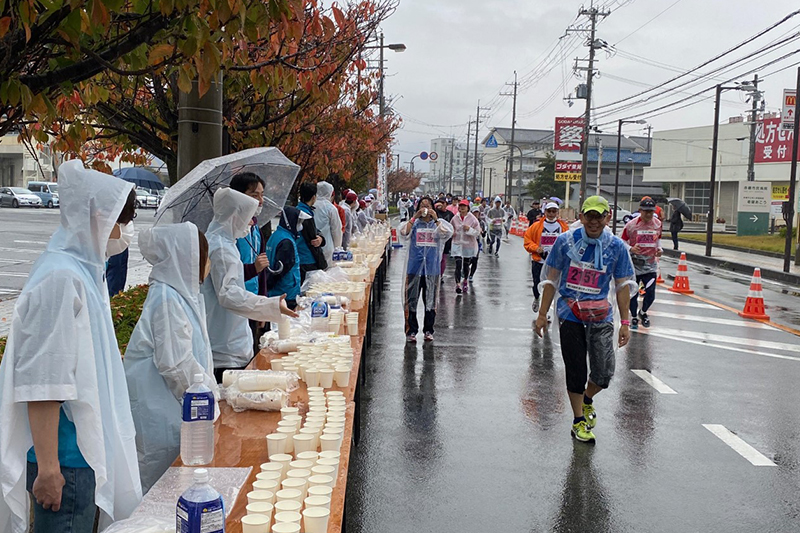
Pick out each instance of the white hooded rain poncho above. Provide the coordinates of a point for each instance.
(228, 303)
(168, 347)
(326, 218)
(62, 347)
(466, 232)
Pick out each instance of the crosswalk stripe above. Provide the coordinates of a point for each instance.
(680, 303)
(712, 320)
(738, 445)
(712, 345)
(654, 382)
(754, 343)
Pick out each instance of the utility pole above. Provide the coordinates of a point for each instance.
(593, 13)
(450, 173)
(199, 125)
(599, 163)
(510, 158)
(381, 104)
(649, 139)
(751, 160)
(466, 156)
(475, 156)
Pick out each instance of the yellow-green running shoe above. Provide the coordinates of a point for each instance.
(590, 415)
(582, 432)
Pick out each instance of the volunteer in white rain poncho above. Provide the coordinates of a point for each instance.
(466, 230)
(589, 268)
(62, 348)
(228, 303)
(169, 344)
(426, 234)
(326, 217)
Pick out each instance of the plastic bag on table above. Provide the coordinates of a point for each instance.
(143, 524)
(273, 400)
(261, 380)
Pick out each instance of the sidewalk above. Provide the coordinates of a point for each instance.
(742, 262)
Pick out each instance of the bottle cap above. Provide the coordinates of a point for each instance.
(198, 378)
(200, 475)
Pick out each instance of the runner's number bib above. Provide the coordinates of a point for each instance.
(583, 277)
(647, 238)
(548, 240)
(426, 237)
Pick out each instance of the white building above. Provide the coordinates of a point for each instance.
(18, 166)
(682, 159)
(447, 172)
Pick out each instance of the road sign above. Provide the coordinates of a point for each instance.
(755, 204)
(434, 156)
(423, 156)
(568, 171)
(491, 142)
(789, 109)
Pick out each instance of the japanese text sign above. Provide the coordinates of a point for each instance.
(568, 134)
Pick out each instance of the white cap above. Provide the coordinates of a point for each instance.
(200, 475)
(198, 378)
(550, 205)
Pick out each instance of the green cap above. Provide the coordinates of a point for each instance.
(595, 203)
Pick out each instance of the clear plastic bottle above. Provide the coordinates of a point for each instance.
(197, 428)
(200, 508)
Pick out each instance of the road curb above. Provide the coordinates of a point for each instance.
(766, 273)
(738, 249)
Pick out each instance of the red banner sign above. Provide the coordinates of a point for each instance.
(568, 134)
(773, 143)
(568, 166)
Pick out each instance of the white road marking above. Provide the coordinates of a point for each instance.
(711, 320)
(755, 457)
(17, 261)
(754, 343)
(14, 274)
(712, 345)
(20, 250)
(685, 304)
(30, 242)
(654, 382)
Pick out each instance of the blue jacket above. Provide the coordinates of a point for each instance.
(306, 258)
(248, 250)
(282, 246)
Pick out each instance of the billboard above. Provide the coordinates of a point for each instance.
(773, 143)
(568, 134)
(568, 171)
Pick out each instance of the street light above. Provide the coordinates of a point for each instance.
(397, 47)
(510, 165)
(630, 200)
(616, 172)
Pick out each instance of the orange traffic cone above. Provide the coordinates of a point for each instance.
(681, 284)
(659, 279)
(754, 305)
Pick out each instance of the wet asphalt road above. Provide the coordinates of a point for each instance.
(471, 433)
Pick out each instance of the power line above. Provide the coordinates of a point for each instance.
(676, 2)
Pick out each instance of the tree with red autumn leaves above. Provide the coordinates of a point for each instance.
(403, 181)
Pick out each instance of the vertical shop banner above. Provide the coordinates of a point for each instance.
(773, 143)
(381, 185)
(568, 134)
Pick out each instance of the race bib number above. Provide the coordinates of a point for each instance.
(647, 238)
(583, 277)
(548, 240)
(426, 237)
(497, 222)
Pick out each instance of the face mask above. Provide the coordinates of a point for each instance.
(258, 211)
(116, 246)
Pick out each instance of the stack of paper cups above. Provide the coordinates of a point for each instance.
(284, 328)
(352, 323)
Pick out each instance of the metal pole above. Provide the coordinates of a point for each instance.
(490, 182)
(510, 174)
(751, 170)
(587, 116)
(466, 158)
(630, 200)
(711, 191)
(380, 80)
(599, 163)
(787, 252)
(475, 157)
(616, 180)
(450, 173)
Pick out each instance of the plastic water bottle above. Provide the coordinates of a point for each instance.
(200, 508)
(197, 429)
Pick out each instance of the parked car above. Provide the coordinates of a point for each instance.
(45, 190)
(622, 215)
(146, 200)
(19, 197)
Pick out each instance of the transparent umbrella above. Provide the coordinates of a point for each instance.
(191, 199)
(680, 206)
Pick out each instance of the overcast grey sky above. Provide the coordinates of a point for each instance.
(460, 51)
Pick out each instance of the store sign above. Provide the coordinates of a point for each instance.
(780, 194)
(568, 134)
(773, 144)
(789, 109)
(568, 171)
(755, 203)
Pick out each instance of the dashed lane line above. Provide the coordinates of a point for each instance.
(738, 445)
(713, 345)
(711, 337)
(711, 320)
(654, 382)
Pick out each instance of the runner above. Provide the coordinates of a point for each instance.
(405, 206)
(466, 230)
(510, 215)
(643, 233)
(476, 212)
(582, 265)
(539, 240)
(426, 234)
(495, 218)
(444, 214)
(534, 213)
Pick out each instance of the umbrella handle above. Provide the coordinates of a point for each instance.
(277, 270)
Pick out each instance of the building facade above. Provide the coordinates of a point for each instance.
(18, 166)
(454, 161)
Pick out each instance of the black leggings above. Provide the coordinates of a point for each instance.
(463, 265)
(536, 274)
(649, 282)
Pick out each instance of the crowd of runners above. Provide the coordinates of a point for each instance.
(580, 268)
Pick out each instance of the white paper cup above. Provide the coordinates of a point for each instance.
(287, 411)
(286, 527)
(312, 377)
(320, 490)
(285, 423)
(315, 389)
(342, 376)
(336, 418)
(288, 443)
(317, 403)
(269, 486)
(328, 454)
(271, 475)
(301, 464)
(334, 394)
(314, 434)
(259, 496)
(282, 459)
(324, 470)
(315, 481)
(315, 519)
(328, 462)
(297, 419)
(299, 473)
(303, 443)
(273, 467)
(262, 508)
(255, 523)
(300, 485)
(288, 494)
(326, 378)
(288, 505)
(276, 443)
(288, 517)
(311, 456)
(318, 501)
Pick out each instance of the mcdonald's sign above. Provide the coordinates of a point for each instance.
(789, 109)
